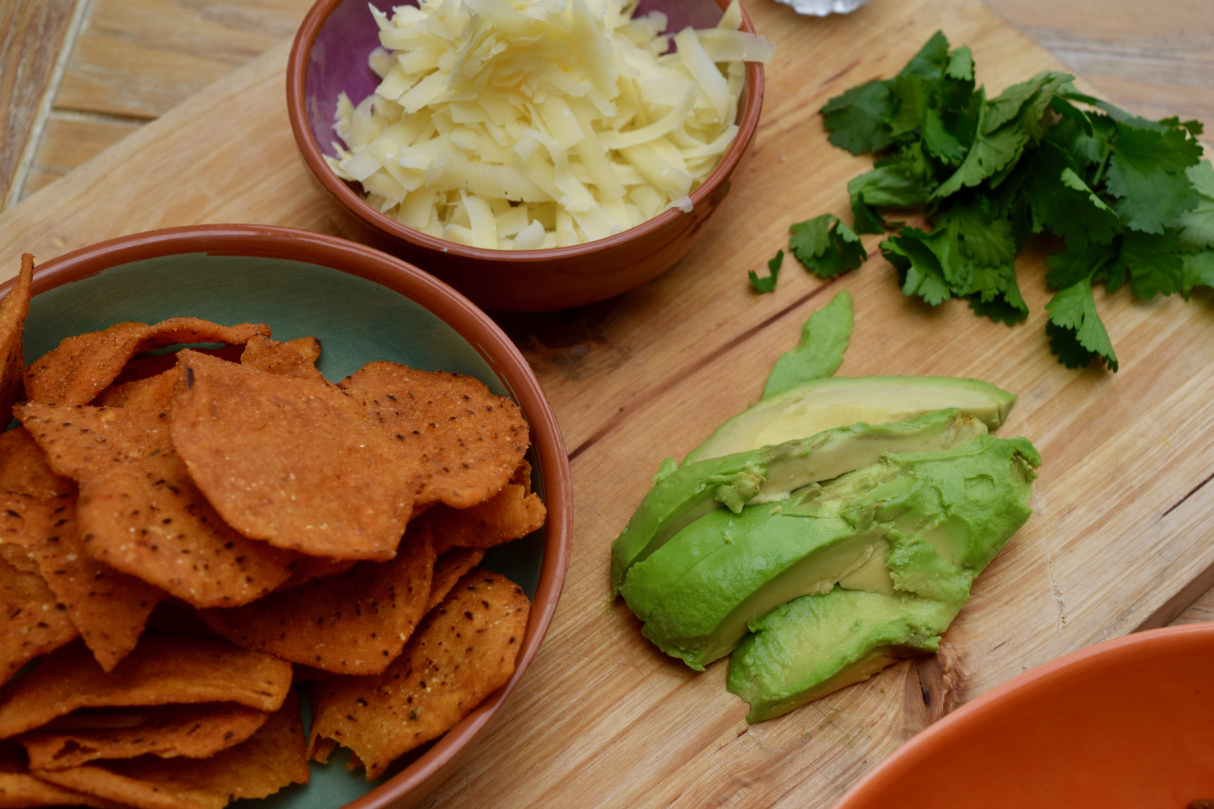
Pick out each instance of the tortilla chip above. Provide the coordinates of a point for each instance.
(273, 357)
(108, 608)
(162, 670)
(294, 462)
(139, 511)
(316, 567)
(13, 309)
(309, 347)
(32, 622)
(450, 568)
(511, 513)
(23, 467)
(470, 439)
(463, 651)
(354, 623)
(84, 365)
(23, 791)
(168, 731)
(153, 393)
(269, 760)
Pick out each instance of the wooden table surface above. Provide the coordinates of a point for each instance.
(78, 76)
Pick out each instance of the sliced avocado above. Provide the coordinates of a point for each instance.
(698, 591)
(819, 354)
(769, 474)
(814, 645)
(824, 404)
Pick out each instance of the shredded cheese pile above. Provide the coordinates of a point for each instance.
(530, 124)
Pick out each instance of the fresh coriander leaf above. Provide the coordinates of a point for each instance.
(1153, 262)
(1076, 264)
(866, 217)
(1147, 175)
(819, 354)
(910, 98)
(918, 266)
(1068, 110)
(826, 246)
(857, 118)
(990, 153)
(1076, 332)
(1005, 304)
(1194, 128)
(768, 284)
(888, 186)
(939, 141)
(1087, 151)
(1062, 202)
(960, 65)
(1029, 98)
(931, 60)
(1198, 271)
(1197, 225)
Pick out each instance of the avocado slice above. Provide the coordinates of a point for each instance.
(769, 474)
(817, 644)
(871, 529)
(823, 404)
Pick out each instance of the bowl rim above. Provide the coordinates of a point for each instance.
(296, 81)
(478, 329)
(931, 742)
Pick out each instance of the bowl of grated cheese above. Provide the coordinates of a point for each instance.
(533, 154)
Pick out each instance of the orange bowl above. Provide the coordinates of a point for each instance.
(1124, 723)
(329, 57)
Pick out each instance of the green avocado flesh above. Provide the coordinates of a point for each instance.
(814, 645)
(919, 523)
(824, 404)
(820, 352)
(770, 474)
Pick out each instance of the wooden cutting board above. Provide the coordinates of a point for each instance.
(1121, 535)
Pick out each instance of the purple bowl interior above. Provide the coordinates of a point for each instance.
(338, 61)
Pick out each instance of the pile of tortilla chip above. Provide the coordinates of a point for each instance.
(194, 522)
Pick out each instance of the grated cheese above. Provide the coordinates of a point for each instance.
(530, 124)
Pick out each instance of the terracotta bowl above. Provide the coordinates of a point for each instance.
(363, 306)
(329, 56)
(1125, 723)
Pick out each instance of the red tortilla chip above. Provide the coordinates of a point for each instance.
(153, 393)
(294, 462)
(273, 357)
(511, 513)
(139, 511)
(167, 731)
(162, 670)
(108, 608)
(309, 347)
(32, 622)
(23, 467)
(450, 568)
(23, 791)
(13, 308)
(353, 623)
(84, 365)
(269, 760)
(470, 439)
(463, 651)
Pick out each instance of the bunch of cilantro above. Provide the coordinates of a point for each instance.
(1131, 199)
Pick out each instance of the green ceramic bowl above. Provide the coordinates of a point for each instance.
(363, 305)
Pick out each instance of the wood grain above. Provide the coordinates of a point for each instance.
(139, 58)
(1156, 58)
(1120, 538)
(31, 36)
